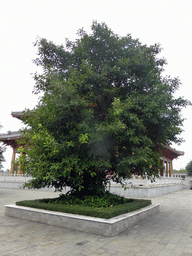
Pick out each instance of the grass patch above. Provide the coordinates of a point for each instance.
(106, 207)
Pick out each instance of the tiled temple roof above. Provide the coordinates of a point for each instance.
(17, 114)
(10, 138)
(171, 153)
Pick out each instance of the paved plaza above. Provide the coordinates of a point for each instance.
(167, 233)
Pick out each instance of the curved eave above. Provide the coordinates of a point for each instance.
(10, 139)
(171, 153)
(17, 114)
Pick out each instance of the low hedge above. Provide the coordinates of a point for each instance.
(101, 212)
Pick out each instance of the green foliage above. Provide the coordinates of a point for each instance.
(180, 171)
(189, 168)
(106, 200)
(105, 107)
(2, 149)
(102, 208)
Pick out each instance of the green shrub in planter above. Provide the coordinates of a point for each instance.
(108, 206)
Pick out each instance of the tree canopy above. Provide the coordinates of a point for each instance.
(105, 107)
(189, 168)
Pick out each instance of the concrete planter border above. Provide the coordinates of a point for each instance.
(98, 226)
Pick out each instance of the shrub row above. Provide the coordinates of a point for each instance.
(101, 212)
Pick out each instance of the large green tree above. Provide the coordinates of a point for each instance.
(105, 106)
(189, 168)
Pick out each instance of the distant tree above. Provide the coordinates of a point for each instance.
(1, 156)
(2, 149)
(181, 170)
(189, 168)
(105, 108)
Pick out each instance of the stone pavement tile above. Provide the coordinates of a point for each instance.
(186, 240)
(189, 226)
(188, 250)
(60, 253)
(149, 247)
(162, 234)
(51, 254)
(82, 253)
(176, 239)
(170, 246)
(7, 254)
(79, 254)
(92, 254)
(105, 254)
(143, 244)
(94, 250)
(164, 242)
(149, 238)
(141, 254)
(110, 250)
(129, 253)
(121, 249)
(88, 251)
(96, 244)
(75, 252)
(179, 248)
(137, 238)
(9, 248)
(114, 253)
(165, 253)
(153, 253)
(186, 254)
(152, 243)
(136, 248)
(189, 245)
(170, 235)
(23, 251)
(156, 249)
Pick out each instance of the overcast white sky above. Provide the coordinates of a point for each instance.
(167, 22)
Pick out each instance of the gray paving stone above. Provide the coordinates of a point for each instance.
(167, 233)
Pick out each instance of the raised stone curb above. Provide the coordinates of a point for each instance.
(146, 192)
(98, 226)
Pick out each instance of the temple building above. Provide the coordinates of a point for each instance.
(168, 155)
(11, 139)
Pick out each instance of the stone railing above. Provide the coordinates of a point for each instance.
(137, 181)
(14, 177)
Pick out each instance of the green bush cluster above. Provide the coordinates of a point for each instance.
(107, 200)
(95, 207)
